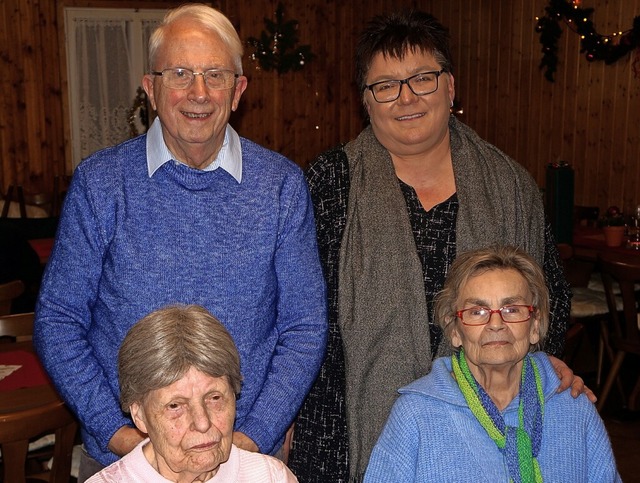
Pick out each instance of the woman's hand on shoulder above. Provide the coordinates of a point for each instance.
(569, 379)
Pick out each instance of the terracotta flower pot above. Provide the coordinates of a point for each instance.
(613, 235)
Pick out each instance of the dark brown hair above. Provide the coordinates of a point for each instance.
(397, 33)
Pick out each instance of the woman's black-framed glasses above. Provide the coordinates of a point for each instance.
(420, 84)
(511, 314)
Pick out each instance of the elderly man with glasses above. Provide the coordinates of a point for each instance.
(188, 213)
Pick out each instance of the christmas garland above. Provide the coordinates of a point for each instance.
(138, 110)
(595, 46)
(276, 48)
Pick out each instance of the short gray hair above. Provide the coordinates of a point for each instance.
(162, 347)
(211, 19)
(475, 262)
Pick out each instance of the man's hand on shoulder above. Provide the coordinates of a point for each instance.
(243, 441)
(125, 439)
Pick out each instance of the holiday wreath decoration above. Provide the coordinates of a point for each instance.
(276, 48)
(595, 46)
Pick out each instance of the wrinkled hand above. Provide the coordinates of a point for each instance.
(125, 439)
(243, 441)
(568, 378)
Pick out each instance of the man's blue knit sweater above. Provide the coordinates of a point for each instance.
(128, 243)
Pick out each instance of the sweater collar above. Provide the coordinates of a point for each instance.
(229, 157)
(440, 384)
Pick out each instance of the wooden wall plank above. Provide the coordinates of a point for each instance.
(588, 117)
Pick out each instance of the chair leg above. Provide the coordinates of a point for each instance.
(21, 203)
(604, 344)
(634, 396)
(7, 202)
(14, 455)
(573, 342)
(600, 359)
(62, 454)
(613, 373)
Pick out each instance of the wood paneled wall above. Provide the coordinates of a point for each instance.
(590, 117)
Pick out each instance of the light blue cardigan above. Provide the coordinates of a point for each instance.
(432, 436)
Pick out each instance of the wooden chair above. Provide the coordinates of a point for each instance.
(17, 327)
(23, 205)
(43, 201)
(625, 333)
(588, 308)
(9, 199)
(8, 292)
(16, 429)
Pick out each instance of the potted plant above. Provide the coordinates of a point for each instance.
(613, 226)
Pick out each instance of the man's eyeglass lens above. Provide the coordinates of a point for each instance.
(509, 313)
(182, 78)
(420, 84)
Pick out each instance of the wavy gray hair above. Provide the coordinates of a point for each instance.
(475, 262)
(162, 347)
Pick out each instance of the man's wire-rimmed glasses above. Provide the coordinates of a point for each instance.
(511, 314)
(420, 84)
(179, 78)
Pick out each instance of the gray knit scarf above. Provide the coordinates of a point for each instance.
(382, 310)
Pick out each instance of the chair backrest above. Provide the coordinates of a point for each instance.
(8, 292)
(43, 201)
(577, 272)
(16, 429)
(17, 327)
(9, 199)
(626, 272)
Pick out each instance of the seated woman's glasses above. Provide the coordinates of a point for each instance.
(511, 314)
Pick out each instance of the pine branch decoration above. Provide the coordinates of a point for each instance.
(276, 48)
(609, 48)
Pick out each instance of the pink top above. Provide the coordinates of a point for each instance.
(241, 467)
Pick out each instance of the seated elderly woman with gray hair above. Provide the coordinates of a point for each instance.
(491, 412)
(179, 373)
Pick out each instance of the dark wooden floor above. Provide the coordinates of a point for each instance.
(622, 423)
(624, 431)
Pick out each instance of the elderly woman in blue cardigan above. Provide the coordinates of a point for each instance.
(491, 412)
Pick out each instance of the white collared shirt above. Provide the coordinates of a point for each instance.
(229, 157)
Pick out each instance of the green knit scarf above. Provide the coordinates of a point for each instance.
(520, 445)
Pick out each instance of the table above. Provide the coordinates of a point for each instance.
(588, 242)
(30, 407)
(22, 398)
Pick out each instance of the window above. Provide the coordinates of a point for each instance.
(106, 59)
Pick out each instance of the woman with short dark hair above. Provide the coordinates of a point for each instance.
(393, 208)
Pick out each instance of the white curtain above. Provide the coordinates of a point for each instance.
(106, 57)
(104, 80)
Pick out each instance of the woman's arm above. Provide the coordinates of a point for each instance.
(559, 296)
